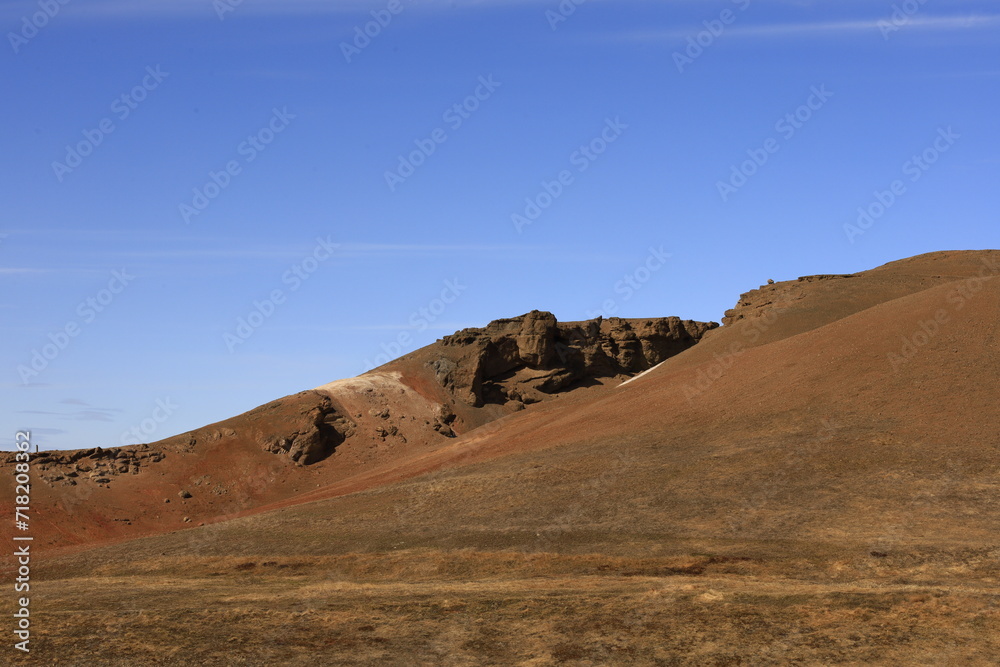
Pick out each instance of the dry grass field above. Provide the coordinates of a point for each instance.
(425, 607)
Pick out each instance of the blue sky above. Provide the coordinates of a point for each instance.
(174, 167)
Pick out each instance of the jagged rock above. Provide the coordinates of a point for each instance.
(309, 435)
(774, 297)
(524, 358)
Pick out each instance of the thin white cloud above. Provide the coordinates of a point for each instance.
(441, 326)
(817, 28)
(279, 74)
(963, 75)
(28, 271)
(84, 414)
(47, 431)
(512, 252)
(145, 9)
(221, 253)
(227, 258)
(297, 252)
(420, 247)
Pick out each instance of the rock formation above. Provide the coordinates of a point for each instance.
(527, 359)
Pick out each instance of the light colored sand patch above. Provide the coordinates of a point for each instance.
(377, 381)
(381, 390)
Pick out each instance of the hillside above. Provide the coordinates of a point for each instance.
(815, 482)
(317, 438)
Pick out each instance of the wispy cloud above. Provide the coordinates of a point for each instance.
(963, 75)
(61, 232)
(94, 416)
(273, 74)
(440, 326)
(25, 271)
(226, 258)
(87, 414)
(297, 251)
(19, 271)
(151, 9)
(820, 28)
(47, 431)
(422, 248)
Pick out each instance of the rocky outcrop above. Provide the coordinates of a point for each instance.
(307, 431)
(96, 465)
(306, 427)
(774, 296)
(526, 359)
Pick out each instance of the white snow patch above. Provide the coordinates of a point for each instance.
(648, 370)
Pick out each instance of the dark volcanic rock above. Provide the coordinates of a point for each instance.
(307, 432)
(525, 358)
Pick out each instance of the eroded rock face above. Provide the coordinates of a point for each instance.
(97, 465)
(774, 296)
(525, 358)
(306, 433)
(306, 427)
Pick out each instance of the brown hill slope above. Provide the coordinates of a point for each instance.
(316, 438)
(876, 427)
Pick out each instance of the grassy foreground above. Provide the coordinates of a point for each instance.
(468, 607)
